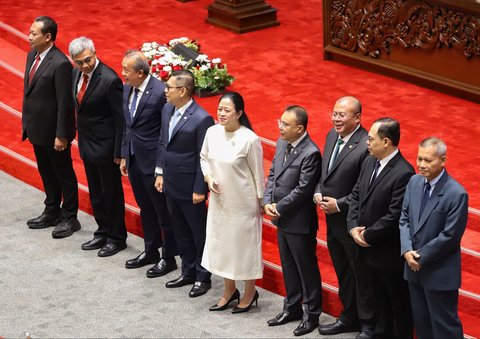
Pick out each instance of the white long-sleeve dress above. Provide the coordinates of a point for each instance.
(233, 247)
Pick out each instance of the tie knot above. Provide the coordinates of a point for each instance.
(377, 164)
(340, 142)
(37, 57)
(136, 91)
(289, 148)
(427, 186)
(85, 77)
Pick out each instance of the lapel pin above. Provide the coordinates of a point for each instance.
(350, 146)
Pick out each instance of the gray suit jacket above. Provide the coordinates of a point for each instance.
(436, 234)
(291, 186)
(340, 180)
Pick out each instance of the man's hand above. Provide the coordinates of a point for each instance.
(123, 167)
(117, 160)
(196, 198)
(271, 211)
(329, 205)
(411, 259)
(317, 198)
(159, 183)
(60, 144)
(357, 235)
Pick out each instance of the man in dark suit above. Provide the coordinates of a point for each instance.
(184, 124)
(372, 221)
(97, 95)
(288, 201)
(344, 152)
(143, 100)
(48, 121)
(432, 223)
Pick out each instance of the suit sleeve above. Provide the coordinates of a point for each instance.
(449, 238)
(65, 113)
(115, 97)
(309, 171)
(387, 226)
(404, 224)
(199, 186)
(354, 206)
(344, 202)
(268, 194)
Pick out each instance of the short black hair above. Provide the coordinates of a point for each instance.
(300, 113)
(186, 79)
(389, 128)
(49, 26)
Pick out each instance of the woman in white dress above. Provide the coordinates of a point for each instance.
(232, 163)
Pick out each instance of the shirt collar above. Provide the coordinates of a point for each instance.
(434, 181)
(93, 70)
(182, 109)
(144, 84)
(296, 142)
(348, 136)
(44, 53)
(389, 157)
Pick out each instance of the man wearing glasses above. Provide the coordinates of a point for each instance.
(143, 100)
(344, 152)
(184, 124)
(97, 93)
(288, 202)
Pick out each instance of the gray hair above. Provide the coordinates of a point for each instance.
(439, 144)
(140, 60)
(78, 45)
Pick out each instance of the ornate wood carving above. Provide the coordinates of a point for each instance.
(372, 27)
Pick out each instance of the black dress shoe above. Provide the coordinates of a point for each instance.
(199, 288)
(283, 318)
(94, 244)
(161, 268)
(306, 326)
(44, 220)
(66, 228)
(337, 327)
(141, 260)
(235, 295)
(365, 334)
(238, 309)
(179, 282)
(111, 248)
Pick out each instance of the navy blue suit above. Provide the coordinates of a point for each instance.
(436, 236)
(139, 148)
(179, 158)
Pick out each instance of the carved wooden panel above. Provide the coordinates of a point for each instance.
(391, 31)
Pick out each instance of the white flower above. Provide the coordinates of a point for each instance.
(202, 58)
(204, 68)
(167, 69)
(216, 60)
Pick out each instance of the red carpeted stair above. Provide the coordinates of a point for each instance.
(273, 68)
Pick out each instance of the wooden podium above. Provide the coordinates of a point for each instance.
(242, 16)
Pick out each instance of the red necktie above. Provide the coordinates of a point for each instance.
(33, 69)
(82, 90)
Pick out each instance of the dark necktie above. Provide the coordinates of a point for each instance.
(288, 151)
(425, 196)
(134, 102)
(335, 152)
(33, 69)
(375, 173)
(83, 89)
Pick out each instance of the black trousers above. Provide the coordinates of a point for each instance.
(107, 199)
(343, 251)
(156, 225)
(298, 254)
(189, 223)
(59, 180)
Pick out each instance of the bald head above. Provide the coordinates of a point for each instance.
(346, 115)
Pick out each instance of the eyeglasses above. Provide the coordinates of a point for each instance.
(341, 115)
(87, 61)
(168, 87)
(282, 124)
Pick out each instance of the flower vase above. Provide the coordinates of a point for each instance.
(204, 92)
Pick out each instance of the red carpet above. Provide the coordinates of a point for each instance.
(273, 68)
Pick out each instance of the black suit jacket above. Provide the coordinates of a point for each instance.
(144, 129)
(291, 186)
(47, 110)
(99, 116)
(340, 180)
(179, 157)
(378, 209)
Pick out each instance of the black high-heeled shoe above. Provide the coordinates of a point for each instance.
(235, 295)
(237, 309)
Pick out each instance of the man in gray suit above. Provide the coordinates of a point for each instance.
(288, 202)
(344, 152)
(432, 223)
